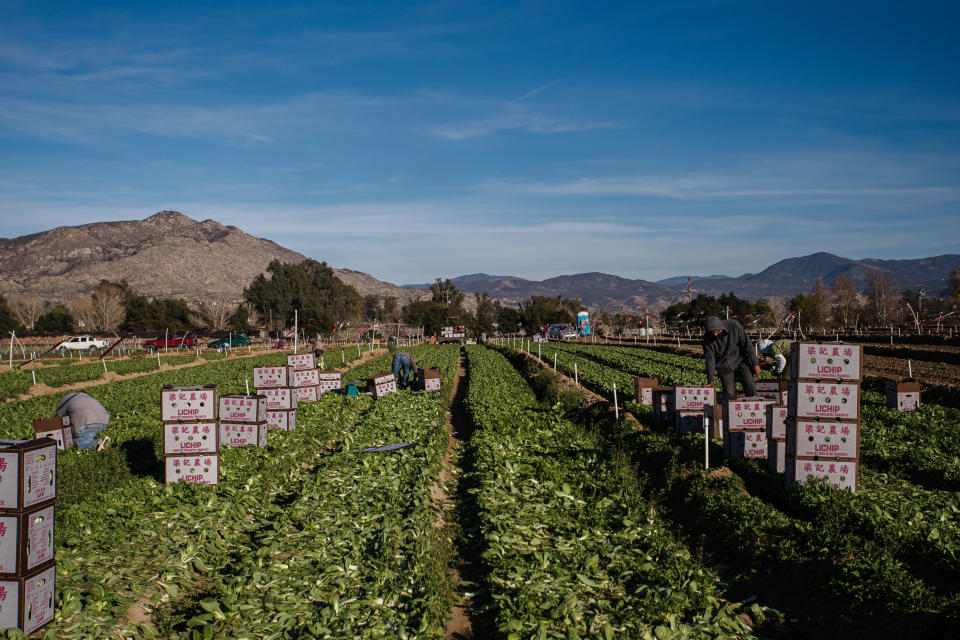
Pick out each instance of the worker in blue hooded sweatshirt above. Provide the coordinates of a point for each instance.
(729, 354)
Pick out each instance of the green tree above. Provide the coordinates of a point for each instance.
(7, 322)
(804, 304)
(143, 314)
(57, 320)
(488, 310)
(446, 293)
(953, 285)
(541, 311)
(310, 287)
(430, 315)
(508, 319)
(390, 308)
(371, 307)
(240, 320)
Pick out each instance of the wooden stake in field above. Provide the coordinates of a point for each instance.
(554, 360)
(706, 444)
(616, 409)
(576, 374)
(247, 380)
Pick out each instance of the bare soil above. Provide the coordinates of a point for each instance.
(460, 619)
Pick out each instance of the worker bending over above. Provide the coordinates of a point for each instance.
(402, 362)
(729, 354)
(780, 351)
(87, 419)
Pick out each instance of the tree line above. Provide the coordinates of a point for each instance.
(322, 300)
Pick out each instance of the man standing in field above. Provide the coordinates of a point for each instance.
(779, 351)
(402, 362)
(729, 354)
(87, 419)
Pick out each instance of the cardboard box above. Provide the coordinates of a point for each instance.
(745, 443)
(776, 390)
(776, 454)
(189, 438)
(302, 361)
(429, 379)
(283, 420)
(829, 400)
(381, 384)
(777, 421)
(903, 394)
(688, 421)
(26, 541)
(329, 381)
(270, 377)
(306, 378)
(663, 405)
(820, 439)
(199, 469)
(713, 415)
(188, 404)
(243, 434)
(307, 394)
(643, 390)
(57, 428)
(279, 398)
(28, 473)
(238, 407)
(745, 413)
(693, 398)
(840, 474)
(826, 361)
(28, 602)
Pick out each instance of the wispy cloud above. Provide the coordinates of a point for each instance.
(522, 121)
(533, 92)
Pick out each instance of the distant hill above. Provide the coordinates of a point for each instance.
(678, 281)
(166, 255)
(796, 275)
(463, 280)
(595, 290)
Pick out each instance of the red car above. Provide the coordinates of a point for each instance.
(172, 342)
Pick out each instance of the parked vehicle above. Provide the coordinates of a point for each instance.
(171, 342)
(83, 343)
(234, 341)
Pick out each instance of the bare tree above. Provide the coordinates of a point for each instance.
(108, 304)
(28, 307)
(953, 284)
(213, 313)
(844, 296)
(84, 313)
(881, 295)
(821, 305)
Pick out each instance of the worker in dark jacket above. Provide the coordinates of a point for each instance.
(402, 362)
(729, 354)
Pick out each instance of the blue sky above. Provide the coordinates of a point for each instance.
(414, 140)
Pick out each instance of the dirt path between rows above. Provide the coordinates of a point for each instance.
(460, 619)
(107, 377)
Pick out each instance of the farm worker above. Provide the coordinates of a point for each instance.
(402, 362)
(729, 354)
(779, 351)
(87, 419)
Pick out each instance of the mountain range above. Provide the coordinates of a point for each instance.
(171, 255)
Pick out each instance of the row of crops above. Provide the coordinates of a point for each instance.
(884, 559)
(580, 528)
(571, 546)
(304, 538)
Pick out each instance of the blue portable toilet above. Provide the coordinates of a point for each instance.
(583, 323)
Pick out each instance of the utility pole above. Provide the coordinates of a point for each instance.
(689, 290)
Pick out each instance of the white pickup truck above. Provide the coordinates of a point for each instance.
(83, 343)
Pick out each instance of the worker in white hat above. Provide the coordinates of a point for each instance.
(780, 351)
